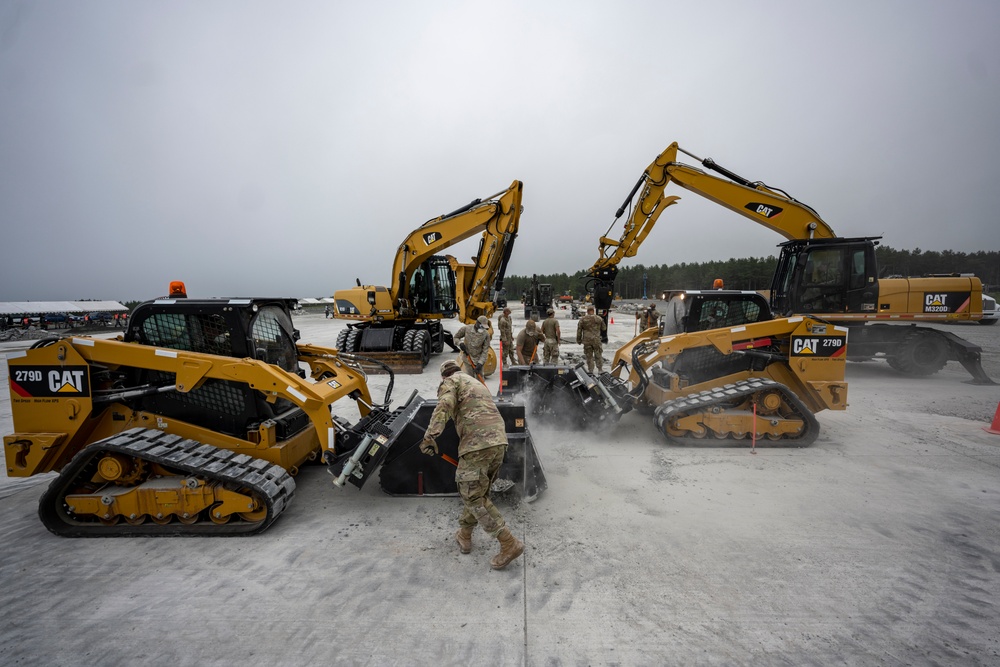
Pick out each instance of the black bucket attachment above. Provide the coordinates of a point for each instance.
(390, 440)
(567, 395)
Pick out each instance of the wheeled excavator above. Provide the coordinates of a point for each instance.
(401, 325)
(197, 419)
(837, 279)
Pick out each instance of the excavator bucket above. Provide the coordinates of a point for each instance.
(389, 441)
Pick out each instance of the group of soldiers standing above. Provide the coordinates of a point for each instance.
(524, 349)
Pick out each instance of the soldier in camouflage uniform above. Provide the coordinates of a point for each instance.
(588, 332)
(481, 448)
(553, 336)
(652, 317)
(474, 342)
(527, 342)
(506, 337)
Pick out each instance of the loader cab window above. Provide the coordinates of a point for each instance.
(721, 313)
(274, 339)
(207, 333)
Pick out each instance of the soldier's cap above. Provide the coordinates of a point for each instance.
(449, 367)
(550, 312)
(530, 325)
(483, 320)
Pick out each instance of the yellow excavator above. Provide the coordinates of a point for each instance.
(400, 325)
(837, 279)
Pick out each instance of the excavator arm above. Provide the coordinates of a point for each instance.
(645, 212)
(496, 217)
(480, 281)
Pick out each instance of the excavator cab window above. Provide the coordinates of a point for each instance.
(432, 288)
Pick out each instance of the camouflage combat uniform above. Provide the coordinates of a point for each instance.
(588, 332)
(527, 341)
(481, 447)
(550, 329)
(477, 345)
(506, 339)
(652, 317)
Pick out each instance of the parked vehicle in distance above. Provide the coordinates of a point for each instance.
(990, 314)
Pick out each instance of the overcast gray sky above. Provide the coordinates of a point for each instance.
(286, 148)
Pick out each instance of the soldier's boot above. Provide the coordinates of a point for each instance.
(464, 539)
(510, 548)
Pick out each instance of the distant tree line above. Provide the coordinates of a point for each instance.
(754, 273)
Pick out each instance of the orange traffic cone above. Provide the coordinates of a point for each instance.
(994, 428)
(612, 320)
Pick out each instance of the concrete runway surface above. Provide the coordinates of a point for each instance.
(878, 545)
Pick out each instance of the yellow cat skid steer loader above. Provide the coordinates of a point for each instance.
(196, 421)
(737, 385)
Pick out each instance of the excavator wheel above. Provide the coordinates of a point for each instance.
(342, 340)
(919, 353)
(353, 341)
(418, 340)
(422, 343)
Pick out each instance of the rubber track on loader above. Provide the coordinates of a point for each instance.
(727, 396)
(267, 481)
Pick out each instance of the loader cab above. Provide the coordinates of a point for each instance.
(243, 328)
(826, 276)
(432, 288)
(701, 310)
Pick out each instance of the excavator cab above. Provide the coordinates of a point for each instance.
(432, 288)
(826, 276)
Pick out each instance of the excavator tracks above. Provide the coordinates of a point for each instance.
(726, 416)
(163, 485)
